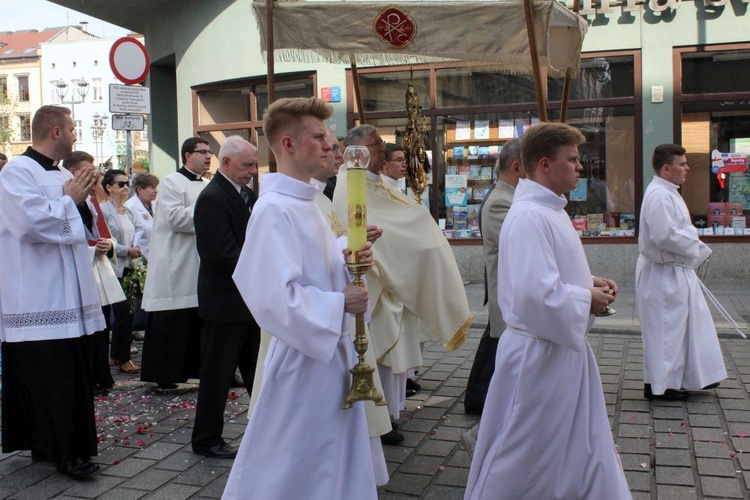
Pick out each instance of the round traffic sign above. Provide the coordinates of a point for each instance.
(129, 60)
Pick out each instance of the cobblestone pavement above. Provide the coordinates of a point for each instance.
(669, 450)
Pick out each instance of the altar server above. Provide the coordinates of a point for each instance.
(680, 347)
(299, 442)
(545, 431)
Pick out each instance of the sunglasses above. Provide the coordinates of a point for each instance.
(121, 184)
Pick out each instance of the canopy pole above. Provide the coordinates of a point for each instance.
(357, 92)
(270, 76)
(568, 77)
(540, 96)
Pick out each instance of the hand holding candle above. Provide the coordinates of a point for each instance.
(357, 158)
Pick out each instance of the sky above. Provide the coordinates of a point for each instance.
(39, 14)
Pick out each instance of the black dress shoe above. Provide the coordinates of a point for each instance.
(410, 393)
(223, 450)
(412, 385)
(711, 386)
(393, 438)
(78, 468)
(100, 391)
(669, 394)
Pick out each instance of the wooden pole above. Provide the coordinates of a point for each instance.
(357, 92)
(270, 82)
(541, 98)
(568, 77)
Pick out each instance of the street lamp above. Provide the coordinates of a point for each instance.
(97, 132)
(82, 89)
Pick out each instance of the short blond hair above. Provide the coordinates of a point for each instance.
(544, 141)
(282, 117)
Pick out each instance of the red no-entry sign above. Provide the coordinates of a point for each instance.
(129, 60)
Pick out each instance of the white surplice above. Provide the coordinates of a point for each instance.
(545, 432)
(172, 277)
(680, 347)
(47, 287)
(299, 442)
(143, 222)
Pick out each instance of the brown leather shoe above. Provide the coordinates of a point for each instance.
(130, 368)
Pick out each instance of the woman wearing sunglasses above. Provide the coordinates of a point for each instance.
(116, 186)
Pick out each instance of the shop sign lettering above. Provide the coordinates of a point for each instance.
(594, 7)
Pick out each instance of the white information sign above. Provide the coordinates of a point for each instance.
(129, 99)
(127, 122)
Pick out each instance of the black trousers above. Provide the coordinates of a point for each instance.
(481, 372)
(48, 406)
(98, 345)
(122, 329)
(171, 349)
(224, 347)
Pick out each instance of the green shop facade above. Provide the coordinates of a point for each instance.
(652, 72)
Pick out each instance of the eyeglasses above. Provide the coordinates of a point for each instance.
(379, 144)
(400, 160)
(122, 184)
(203, 151)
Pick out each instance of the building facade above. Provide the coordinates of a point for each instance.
(21, 81)
(655, 71)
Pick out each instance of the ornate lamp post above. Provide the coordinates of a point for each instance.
(97, 132)
(82, 89)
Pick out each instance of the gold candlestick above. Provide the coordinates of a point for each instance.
(357, 158)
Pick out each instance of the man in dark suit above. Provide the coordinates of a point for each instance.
(230, 336)
(494, 208)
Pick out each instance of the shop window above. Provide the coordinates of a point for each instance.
(237, 108)
(296, 88)
(223, 106)
(600, 78)
(603, 204)
(460, 87)
(385, 91)
(715, 72)
(715, 125)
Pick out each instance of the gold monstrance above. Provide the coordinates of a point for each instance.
(357, 158)
(413, 143)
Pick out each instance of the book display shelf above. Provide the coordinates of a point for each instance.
(471, 152)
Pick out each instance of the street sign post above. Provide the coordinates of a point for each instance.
(128, 122)
(129, 61)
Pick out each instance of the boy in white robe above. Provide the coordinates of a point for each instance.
(48, 300)
(299, 442)
(545, 432)
(680, 347)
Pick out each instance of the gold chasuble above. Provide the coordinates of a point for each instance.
(414, 265)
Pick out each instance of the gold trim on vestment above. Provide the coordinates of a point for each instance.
(460, 336)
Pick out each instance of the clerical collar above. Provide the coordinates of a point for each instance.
(47, 163)
(189, 174)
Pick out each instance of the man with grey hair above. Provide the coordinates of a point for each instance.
(230, 336)
(492, 212)
(415, 285)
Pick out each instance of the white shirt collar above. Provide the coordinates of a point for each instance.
(236, 186)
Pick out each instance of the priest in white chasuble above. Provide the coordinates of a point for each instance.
(415, 280)
(49, 301)
(299, 442)
(544, 430)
